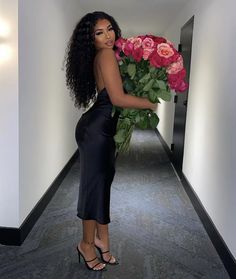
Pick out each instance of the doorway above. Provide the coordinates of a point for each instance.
(181, 99)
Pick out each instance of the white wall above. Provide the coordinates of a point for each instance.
(47, 116)
(9, 154)
(38, 117)
(209, 154)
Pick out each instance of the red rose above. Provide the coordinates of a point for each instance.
(155, 59)
(159, 40)
(137, 54)
(142, 37)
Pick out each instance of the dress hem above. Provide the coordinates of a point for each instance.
(86, 219)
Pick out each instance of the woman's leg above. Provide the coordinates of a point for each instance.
(86, 245)
(102, 241)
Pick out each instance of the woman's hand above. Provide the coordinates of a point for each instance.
(153, 106)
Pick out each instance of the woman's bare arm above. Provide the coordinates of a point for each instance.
(109, 68)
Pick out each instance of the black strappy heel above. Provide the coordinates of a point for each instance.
(101, 254)
(86, 262)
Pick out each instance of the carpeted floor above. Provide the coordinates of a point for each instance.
(155, 231)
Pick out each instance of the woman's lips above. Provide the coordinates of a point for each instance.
(109, 43)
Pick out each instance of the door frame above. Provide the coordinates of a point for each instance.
(178, 165)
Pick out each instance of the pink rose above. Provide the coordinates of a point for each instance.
(137, 54)
(164, 50)
(127, 48)
(117, 53)
(147, 52)
(136, 41)
(175, 67)
(120, 43)
(176, 81)
(147, 43)
(164, 55)
(182, 86)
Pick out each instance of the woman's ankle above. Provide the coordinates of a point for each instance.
(101, 243)
(86, 244)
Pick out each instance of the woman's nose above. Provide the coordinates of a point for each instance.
(107, 35)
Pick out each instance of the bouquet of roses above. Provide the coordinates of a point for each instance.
(150, 67)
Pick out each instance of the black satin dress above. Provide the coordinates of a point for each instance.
(94, 135)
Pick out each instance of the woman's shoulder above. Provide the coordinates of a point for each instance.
(105, 53)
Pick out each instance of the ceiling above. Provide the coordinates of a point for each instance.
(137, 16)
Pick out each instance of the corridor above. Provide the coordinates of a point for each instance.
(155, 231)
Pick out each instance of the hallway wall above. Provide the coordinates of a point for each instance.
(38, 116)
(47, 116)
(209, 154)
(9, 153)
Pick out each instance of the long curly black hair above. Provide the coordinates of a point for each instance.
(80, 55)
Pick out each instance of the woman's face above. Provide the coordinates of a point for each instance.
(104, 34)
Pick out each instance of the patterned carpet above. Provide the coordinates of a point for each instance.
(155, 232)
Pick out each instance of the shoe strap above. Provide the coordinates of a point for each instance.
(96, 265)
(109, 259)
(91, 260)
(105, 252)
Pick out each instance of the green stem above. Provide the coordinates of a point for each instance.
(124, 146)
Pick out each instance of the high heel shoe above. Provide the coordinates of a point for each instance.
(86, 262)
(101, 254)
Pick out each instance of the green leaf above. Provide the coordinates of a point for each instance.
(137, 118)
(153, 96)
(113, 111)
(120, 136)
(153, 70)
(133, 112)
(153, 120)
(131, 70)
(130, 59)
(165, 95)
(143, 123)
(126, 122)
(161, 84)
(161, 74)
(155, 85)
(129, 85)
(148, 86)
(145, 78)
(123, 68)
(125, 112)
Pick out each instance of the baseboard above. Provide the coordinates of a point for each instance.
(226, 256)
(165, 146)
(224, 253)
(16, 236)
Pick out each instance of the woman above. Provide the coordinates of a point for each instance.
(91, 67)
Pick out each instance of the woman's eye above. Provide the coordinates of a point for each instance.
(99, 33)
(111, 28)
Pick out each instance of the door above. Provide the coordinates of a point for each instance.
(181, 99)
